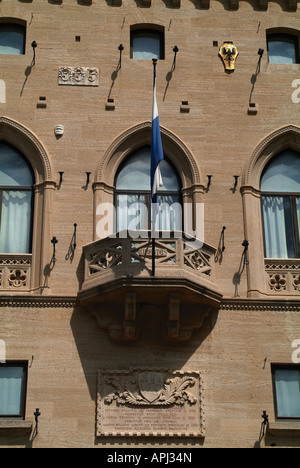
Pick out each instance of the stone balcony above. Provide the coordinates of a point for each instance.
(119, 271)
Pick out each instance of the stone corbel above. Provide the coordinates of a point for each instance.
(174, 330)
(125, 330)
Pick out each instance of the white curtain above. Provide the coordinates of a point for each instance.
(274, 227)
(10, 390)
(132, 213)
(298, 213)
(287, 384)
(15, 229)
(169, 216)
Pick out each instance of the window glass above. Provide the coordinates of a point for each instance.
(287, 387)
(282, 48)
(14, 169)
(16, 182)
(146, 44)
(12, 39)
(133, 195)
(280, 185)
(11, 390)
(282, 175)
(135, 173)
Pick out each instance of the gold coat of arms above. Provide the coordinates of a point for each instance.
(228, 53)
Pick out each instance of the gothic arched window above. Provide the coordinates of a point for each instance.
(280, 186)
(133, 194)
(16, 190)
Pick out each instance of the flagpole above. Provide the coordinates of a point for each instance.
(154, 61)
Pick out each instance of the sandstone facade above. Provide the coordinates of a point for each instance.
(229, 314)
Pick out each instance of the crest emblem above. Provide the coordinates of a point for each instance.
(228, 53)
(151, 385)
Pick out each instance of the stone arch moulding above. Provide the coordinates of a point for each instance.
(258, 272)
(24, 140)
(29, 145)
(140, 135)
(277, 141)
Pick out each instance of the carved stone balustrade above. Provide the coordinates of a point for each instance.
(119, 271)
(15, 272)
(283, 277)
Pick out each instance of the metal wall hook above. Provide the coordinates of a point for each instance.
(236, 180)
(88, 175)
(208, 182)
(120, 48)
(61, 173)
(34, 46)
(175, 50)
(36, 415)
(54, 241)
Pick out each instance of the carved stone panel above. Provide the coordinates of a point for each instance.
(78, 76)
(150, 402)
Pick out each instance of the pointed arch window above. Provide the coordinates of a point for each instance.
(16, 201)
(133, 194)
(280, 186)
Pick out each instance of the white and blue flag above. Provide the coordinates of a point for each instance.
(157, 154)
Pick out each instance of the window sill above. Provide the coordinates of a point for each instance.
(284, 428)
(12, 427)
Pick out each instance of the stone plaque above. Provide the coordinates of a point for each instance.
(150, 402)
(78, 76)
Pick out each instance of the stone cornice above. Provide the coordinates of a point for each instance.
(291, 5)
(230, 304)
(274, 305)
(45, 302)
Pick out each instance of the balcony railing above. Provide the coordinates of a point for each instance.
(175, 258)
(15, 272)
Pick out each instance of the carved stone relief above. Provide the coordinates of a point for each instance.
(150, 402)
(15, 271)
(78, 76)
(283, 276)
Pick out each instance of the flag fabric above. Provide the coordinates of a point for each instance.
(157, 154)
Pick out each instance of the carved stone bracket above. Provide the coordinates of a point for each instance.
(175, 327)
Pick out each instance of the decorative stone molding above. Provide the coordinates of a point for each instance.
(261, 305)
(15, 272)
(272, 144)
(150, 402)
(290, 5)
(78, 76)
(19, 136)
(142, 133)
(37, 302)
(283, 276)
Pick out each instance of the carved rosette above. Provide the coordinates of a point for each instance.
(283, 276)
(15, 272)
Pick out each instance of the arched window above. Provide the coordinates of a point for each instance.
(16, 189)
(280, 186)
(146, 43)
(12, 38)
(133, 194)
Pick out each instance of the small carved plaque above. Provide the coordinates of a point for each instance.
(150, 402)
(78, 76)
